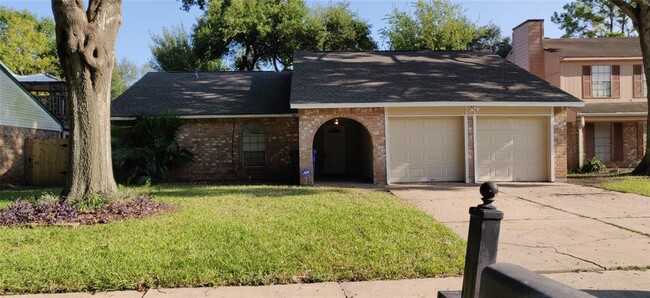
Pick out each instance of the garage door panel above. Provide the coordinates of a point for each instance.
(512, 149)
(433, 150)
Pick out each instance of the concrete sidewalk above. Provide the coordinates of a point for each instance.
(633, 284)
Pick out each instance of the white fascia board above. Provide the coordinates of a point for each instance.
(602, 58)
(219, 116)
(630, 114)
(435, 104)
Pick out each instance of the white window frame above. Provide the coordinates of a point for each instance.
(601, 74)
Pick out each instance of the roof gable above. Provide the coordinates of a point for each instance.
(20, 108)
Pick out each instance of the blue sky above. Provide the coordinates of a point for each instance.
(141, 18)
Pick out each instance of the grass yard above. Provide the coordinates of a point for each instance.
(630, 184)
(234, 235)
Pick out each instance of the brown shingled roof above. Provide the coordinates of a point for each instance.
(594, 47)
(415, 77)
(206, 93)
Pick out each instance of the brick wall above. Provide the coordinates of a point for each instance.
(371, 118)
(216, 144)
(573, 157)
(561, 134)
(13, 155)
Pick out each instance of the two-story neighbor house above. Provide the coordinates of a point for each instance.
(607, 74)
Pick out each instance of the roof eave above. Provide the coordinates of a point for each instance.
(436, 104)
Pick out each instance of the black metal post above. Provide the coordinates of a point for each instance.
(482, 241)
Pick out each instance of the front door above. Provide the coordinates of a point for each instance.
(334, 150)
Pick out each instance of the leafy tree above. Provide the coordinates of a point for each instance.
(148, 149)
(639, 12)
(435, 25)
(85, 40)
(256, 31)
(593, 18)
(27, 43)
(489, 39)
(124, 74)
(262, 33)
(173, 51)
(337, 28)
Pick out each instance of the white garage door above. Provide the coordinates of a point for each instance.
(512, 149)
(426, 149)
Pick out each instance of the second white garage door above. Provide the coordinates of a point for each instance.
(512, 149)
(426, 149)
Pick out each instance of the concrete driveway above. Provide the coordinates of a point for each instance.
(550, 228)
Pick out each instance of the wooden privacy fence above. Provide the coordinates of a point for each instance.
(47, 161)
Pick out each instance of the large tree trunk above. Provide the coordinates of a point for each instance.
(86, 47)
(643, 28)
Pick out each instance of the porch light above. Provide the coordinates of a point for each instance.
(336, 121)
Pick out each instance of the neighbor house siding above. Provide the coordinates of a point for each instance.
(520, 48)
(552, 69)
(20, 109)
(571, 80)
(13, 154)
(216, 144)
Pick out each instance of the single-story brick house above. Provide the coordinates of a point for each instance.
(384, 117)
(22, 117)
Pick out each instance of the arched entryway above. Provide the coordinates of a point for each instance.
(342, 151)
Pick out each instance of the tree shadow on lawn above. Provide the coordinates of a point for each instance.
(9, 195)
(186, 191)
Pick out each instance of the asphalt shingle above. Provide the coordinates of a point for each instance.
(415, 76)
(206, 93)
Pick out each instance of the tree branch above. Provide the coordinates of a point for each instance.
(628, 9)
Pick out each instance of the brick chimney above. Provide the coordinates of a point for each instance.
(527, 48)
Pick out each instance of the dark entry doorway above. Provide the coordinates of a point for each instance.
(343, 152)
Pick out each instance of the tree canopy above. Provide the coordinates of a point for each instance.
(125, 73)
(435, 25)
(489, 39)
(593, 18)
(173, 51)
(265, 33)
(28, 43)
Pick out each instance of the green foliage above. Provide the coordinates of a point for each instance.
(489, 39)
(173, 51)
(267, 32)
(28, 43)
(236, 235)
(148, 149)
(125, 73)
(336, 28)
(593, 165)
(593, 18)
(435, 25)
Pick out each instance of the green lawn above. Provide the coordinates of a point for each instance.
(631, 184)
(234, 235)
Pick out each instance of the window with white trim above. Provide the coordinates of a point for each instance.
(601, 80)
(253, 146)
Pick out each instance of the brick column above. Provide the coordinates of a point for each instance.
(560, 130)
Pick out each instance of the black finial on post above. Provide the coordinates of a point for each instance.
(488, 190)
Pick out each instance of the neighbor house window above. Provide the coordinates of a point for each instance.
(601, 80)
(253, 146)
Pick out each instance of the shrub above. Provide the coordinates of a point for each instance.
(593, 165)
(148, 149)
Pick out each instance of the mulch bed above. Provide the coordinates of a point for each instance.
(61, 213)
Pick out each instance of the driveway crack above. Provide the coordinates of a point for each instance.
(343, 290)
(579, 258)
(581, 215)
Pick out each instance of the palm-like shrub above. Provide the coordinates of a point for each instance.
(148, 149)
